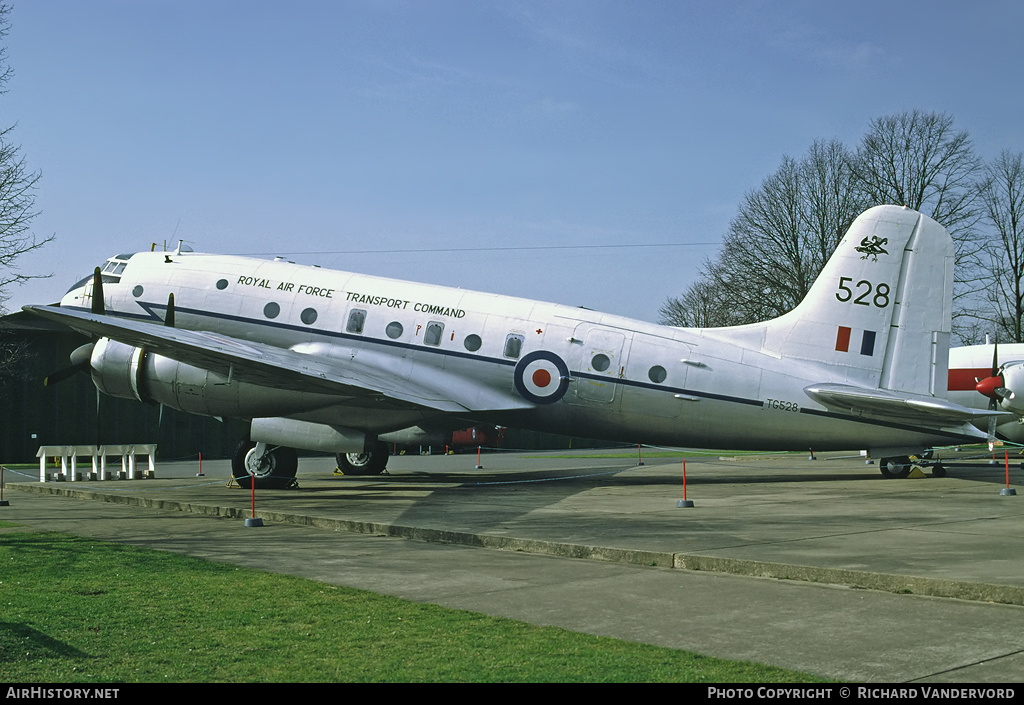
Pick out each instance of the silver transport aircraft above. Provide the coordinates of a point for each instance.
(997, 373)
(340, 362)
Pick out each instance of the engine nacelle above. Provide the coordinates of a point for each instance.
(309, 436)
(115, 369)
(130, 372)
(1011, 394)
(417, 436)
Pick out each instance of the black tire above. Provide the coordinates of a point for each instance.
(371, 462)
(938, 470)
(283, 464)
(894, 468)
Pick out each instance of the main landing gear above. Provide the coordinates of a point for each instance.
(900, 466)
(371, 462)
(270, 467)
(895, 467)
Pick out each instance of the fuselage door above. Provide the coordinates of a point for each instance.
(598, 360)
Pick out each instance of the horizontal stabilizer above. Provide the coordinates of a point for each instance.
(880, 402)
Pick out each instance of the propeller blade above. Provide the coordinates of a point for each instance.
(169, 317)
(61, 375)
(98, 306)
(993, 382)
(990, 388)
(80, 358)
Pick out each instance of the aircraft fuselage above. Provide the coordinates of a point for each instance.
(561, 369)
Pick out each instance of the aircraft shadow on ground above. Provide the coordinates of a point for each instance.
(19, 642)
(518, 493)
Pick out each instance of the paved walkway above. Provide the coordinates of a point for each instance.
(819, 566)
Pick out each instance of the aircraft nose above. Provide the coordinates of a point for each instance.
(74, 297)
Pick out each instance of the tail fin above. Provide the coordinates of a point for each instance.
(879, 313)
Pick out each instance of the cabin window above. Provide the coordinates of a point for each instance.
(222, 284)
(433, 334)
(600, 362)
(356, 319)
(657, 374)
(513, 346)
(473, 342)
(271, 310)
(394, 330)
(137, 291)
(308, 316)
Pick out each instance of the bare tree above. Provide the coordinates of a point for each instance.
(17, 191)
(763, 267)
(833, 199)
(699, 307)
(1002, 196)
(918, 159)
(782, 236)
(786, 230)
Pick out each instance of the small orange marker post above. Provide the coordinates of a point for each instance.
(1007, 491)
(255, 521)
(3, 502)
(684, 502)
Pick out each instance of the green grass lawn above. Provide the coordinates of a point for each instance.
(78, 610)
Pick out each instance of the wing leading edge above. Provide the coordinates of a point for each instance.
(296, 370)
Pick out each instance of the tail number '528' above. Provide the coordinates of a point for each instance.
(866, 292)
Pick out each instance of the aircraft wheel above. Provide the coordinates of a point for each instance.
(938, 470)
(274, 470)
(370, 462)
(895, 467)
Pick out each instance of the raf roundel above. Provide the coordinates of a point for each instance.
(542, 377)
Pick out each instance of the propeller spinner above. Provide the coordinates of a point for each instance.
(1000, 385)
(988, 386)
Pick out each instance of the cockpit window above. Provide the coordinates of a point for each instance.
(111, 272)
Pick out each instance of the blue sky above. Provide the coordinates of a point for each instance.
(351, 133)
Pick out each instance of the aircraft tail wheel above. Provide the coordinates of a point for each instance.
(895, 467)
(270, 467)
(371, 462)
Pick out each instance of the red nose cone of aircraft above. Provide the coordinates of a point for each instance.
(989, 385)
